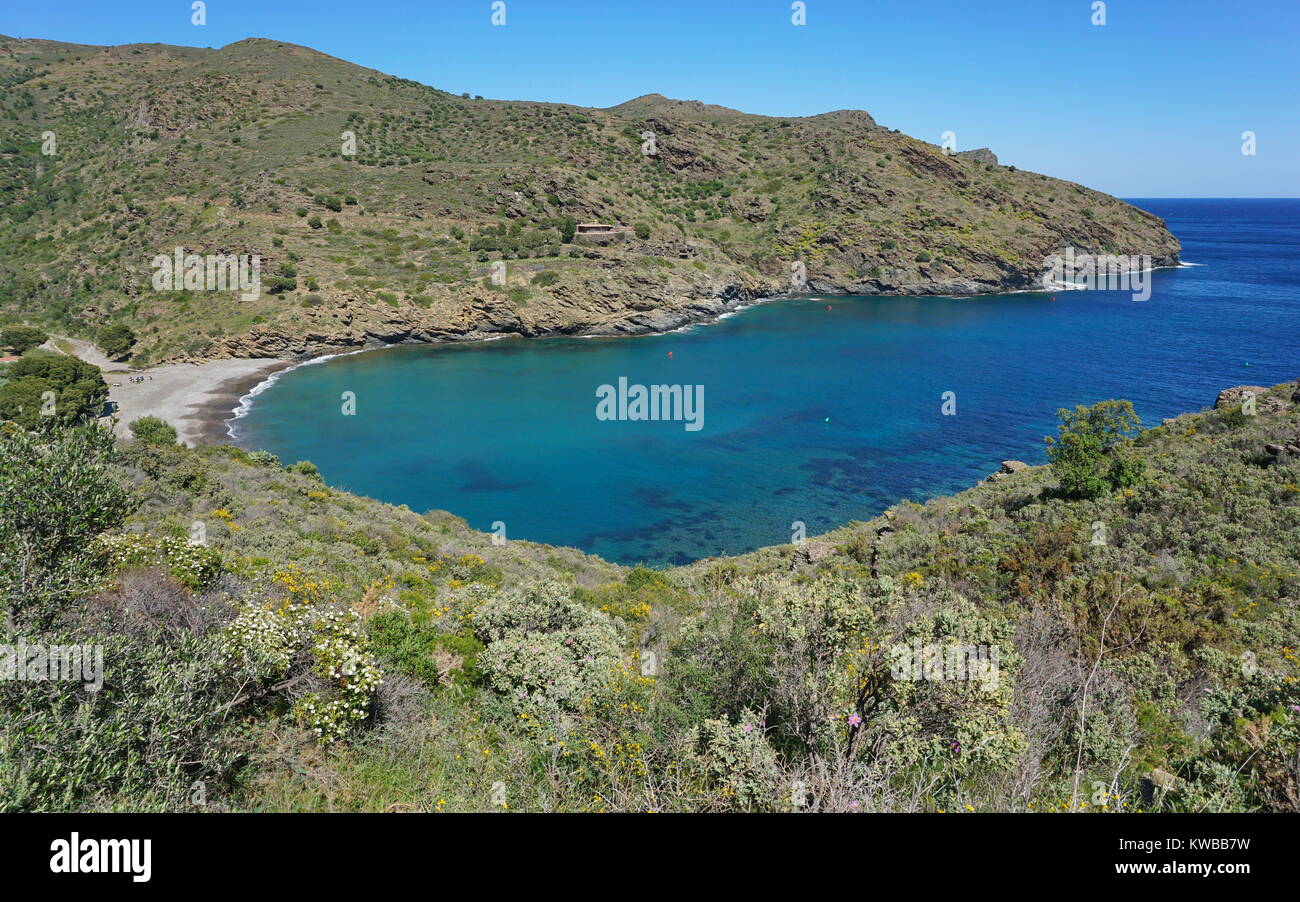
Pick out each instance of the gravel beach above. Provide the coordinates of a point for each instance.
(197, 399)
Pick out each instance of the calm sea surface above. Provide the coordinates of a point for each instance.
(821, 410)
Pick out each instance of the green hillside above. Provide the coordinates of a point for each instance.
(110, 156)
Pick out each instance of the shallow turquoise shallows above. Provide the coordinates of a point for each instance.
(816, 410)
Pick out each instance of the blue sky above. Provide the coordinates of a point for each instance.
(1151, 104)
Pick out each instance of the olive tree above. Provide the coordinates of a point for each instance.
(59, 489)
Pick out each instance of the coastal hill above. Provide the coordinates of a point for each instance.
(110, 156)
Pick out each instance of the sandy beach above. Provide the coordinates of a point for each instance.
(196, 399)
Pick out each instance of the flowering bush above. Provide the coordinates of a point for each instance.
(738, 760)
(545, 652)
(267, 642)
(955, 719)
(342, 660)
(194, 566)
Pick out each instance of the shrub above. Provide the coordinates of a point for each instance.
(58, 490)
(296, 640)
(22, 338)
(423, 652)
(157, 729)
(736, 759)
(1086, 456)
(304, 467)
(153, 431)
(263, 459)
(194, 566)
(545, 652)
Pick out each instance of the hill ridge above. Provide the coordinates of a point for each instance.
(395, 233)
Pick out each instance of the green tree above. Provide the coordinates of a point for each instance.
(568, 229)
(1086, 456)
(56, 388)
(153, 431)
(59, 488)
(116, 340)
(642, 230)
(22, 338)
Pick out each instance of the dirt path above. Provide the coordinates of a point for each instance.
(85, 350)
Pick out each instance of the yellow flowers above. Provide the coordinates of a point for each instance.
(627, 610)
(302, 587)
(913, 580)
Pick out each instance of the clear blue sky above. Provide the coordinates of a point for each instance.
(1152, 104)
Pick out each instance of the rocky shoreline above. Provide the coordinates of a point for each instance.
(215, 410)
(572, 311)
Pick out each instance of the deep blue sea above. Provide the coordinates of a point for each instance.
(822, 410)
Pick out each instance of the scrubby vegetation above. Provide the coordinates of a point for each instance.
(153, 431)
(246, 147)
(45, 386)
(21, 339)
(1088, 456)
(1031, 644)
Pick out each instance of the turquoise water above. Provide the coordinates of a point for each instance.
(819, 410)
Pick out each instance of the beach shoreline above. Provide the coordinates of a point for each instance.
(212, 415)
(196, 399)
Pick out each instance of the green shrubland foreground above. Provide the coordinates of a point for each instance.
(325, 652)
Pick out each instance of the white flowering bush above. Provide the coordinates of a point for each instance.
(341, 659)
(193, 565)
(545, 652)
(261, 641)
(266, 642)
